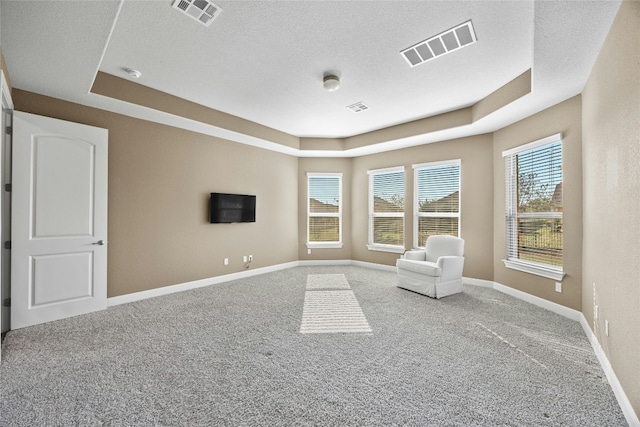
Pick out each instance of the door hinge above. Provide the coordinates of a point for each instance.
(7, 302)
(7, 244)
(8, 130)
(7, 187)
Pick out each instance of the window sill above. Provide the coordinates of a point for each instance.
(325, 245)
(386, 248)
(537, 269)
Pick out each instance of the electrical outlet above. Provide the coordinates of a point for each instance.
(606, 327)
(250, 258)
(595, 312)
(308, 251)
(244, 258)
(226, 261)
(558, 287)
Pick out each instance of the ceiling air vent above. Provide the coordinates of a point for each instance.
(202, 11)
(358, 107)
(440, 44)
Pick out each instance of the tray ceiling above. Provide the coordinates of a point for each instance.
(265, 61)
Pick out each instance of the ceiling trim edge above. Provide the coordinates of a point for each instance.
(223, 125)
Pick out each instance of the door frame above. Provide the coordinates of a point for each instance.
(5, 198)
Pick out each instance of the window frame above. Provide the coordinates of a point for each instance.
(511, 213)
(416, 200)
(371, 245)
(324, 245)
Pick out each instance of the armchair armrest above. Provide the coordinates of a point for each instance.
(415, 255)
(451, 267)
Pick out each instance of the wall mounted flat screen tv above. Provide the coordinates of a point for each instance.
(227, 208)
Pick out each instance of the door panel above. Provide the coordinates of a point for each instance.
(62, 203)
(59, 220)
(73, 271)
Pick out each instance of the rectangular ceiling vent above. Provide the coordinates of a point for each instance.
(202, 11)
(358, 107)
(440, 44)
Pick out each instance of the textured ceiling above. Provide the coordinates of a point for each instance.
(264, 61)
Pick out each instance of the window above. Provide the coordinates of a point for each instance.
(324, 210)
(386, 210)
(436, 200)
(533, 175)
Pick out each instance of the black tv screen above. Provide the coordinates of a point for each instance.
(227, 208)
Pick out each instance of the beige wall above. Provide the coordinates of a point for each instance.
(476, 222)
(563, 118)
(159, 182)
(343, 166)
(611, 157)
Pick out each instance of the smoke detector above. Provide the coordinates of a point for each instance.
(331, 82)
(133, 73)
(202, 11)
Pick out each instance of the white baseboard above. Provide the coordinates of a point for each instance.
(531, 299)
(478, 282)
(373, 266)
(166, 290)
(311, 263)
(347, 262)
(540, 302)
(623, 400)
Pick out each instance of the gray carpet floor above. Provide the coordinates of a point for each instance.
(232, 355)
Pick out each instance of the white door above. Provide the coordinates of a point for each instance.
(58, 220)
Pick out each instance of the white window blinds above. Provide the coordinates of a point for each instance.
(324, 208)
(534, 209)
(437, 200)
(386, 209)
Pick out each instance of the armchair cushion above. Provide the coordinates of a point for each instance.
(421, 267)
(438, 246)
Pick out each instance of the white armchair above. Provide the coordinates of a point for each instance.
(436, 270)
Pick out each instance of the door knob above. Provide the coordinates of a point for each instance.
(99, 243)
